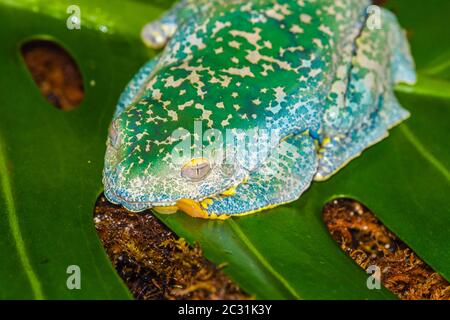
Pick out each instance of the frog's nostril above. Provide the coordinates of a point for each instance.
(196, 169)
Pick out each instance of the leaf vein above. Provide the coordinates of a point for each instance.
(261, 258)
(15, 228)
(424, 152)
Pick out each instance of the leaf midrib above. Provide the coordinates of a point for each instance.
(15, 227)
(430, 86)
(260, 258)
(422, 150)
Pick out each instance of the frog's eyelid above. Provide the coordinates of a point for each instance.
(196, 171)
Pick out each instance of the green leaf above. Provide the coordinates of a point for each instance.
(51, 161)
(426, 25)
(287, 252)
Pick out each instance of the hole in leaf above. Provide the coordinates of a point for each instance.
(369, 243)
(55, 72)
(153, 262)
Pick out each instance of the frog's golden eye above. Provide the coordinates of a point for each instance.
(196, 169)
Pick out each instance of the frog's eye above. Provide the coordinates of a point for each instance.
(196, 169)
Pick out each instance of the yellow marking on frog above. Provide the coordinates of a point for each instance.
(205, 203)
(229, 192)
(192, 208)
(316, 144)
(195, 210)
(214, 216)
(325, 141)
(198, 209)
(166, 210)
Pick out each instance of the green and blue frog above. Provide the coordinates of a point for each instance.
(252, 100)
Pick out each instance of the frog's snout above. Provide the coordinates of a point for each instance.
(196, 169)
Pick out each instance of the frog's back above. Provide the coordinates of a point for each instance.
(254, 64)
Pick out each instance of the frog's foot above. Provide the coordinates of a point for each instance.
(156, 34)
(338, 151)
(371, 109)
(197, 209)
(281, 179)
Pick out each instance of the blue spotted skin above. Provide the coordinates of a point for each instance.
(310, 73)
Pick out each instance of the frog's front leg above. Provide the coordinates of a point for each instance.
(282, 178)
(157, 33)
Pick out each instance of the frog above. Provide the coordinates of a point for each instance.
(249, 102)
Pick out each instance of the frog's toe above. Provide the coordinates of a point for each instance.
(281, 179)
(192, 208)
(156, 34)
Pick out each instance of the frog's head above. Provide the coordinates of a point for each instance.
(152, 162)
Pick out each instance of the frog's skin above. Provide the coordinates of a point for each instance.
(311, 73)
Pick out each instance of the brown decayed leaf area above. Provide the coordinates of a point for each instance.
(153, 262)
(362, 236)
